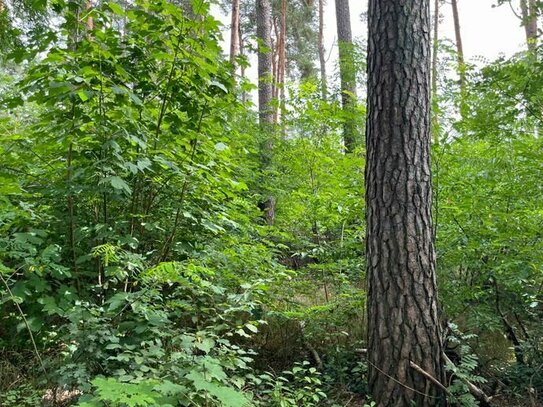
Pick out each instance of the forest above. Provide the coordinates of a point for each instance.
(204, 203)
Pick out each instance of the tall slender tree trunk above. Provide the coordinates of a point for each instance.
(528, 10)
(460, 56)
(275, 63)
(234, 34)
(403, 324)
(263, 32)
(347, 72)
(282, 60)
(279, 60)
(459, 46)
(265, 93)
(282, 45)
(322, 50)
(242, 53)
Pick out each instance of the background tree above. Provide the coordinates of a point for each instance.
(265, 92)
(263, 33)
(459, 46)
(403, 323)
(302, 46)
(235, 43)
(322, 50)
(347, 72)
(529, 13)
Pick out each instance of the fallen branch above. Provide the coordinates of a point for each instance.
(315, 354)
(430, 377)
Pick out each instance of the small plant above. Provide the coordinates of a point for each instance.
(21, 396)
(300, 386)
(463, 372)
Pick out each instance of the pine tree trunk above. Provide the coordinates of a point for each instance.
(282, 60)
(275, 64)
(234, 34)
(347, 72)
(279, 60)
(459, 46)
(265, 93)
(435, 51)
(435, 47)
(322, 59)
(403, 324)
(263, 32)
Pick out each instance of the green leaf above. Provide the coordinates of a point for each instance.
(205, 344)
(219, 85)
(116, 8)
(228, 396)
(212, 226)
(251, 328)
(83, 95)
(118, 183)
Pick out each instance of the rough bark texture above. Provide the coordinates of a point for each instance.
(435, 50)
(263, 33)
(403, 325)
(346, 72)
(529, 20)
(435, 47)
(234, 33)
(322, 58)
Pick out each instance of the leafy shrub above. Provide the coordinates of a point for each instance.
(300, 386)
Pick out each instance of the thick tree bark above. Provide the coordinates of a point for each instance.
(403, 324)
(234, 34)
(322, 58)
(435, 47)
(528, 10)
(346, 72)
(435, 50)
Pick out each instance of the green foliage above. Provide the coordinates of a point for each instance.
(128, 159)
(465, 370)
(488, 237)
(300, 386)
(24, 395)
